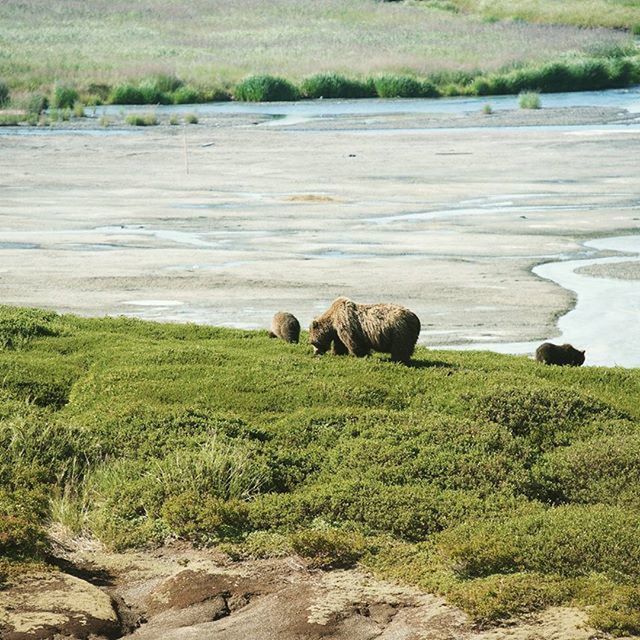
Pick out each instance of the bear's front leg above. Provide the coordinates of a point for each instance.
(339, 348)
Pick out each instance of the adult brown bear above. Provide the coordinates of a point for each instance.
(285, 326)
(359, 329)
(564, 354)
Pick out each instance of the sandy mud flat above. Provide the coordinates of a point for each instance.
(230, 220)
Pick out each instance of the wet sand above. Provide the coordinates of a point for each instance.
(228, 221)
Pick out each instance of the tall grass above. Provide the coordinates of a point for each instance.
(206, 46)
(63, 97)
(398, 86)
(334, 85)
(595, 13)
(264, 88)
(615, 68)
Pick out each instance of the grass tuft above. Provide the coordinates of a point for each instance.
(63, 97)
(396, 86)
(10, 119)
(264, 88)
(333, 85)
(529, 100)
(142, 119)
(126, 94)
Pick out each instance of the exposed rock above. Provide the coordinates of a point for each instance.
(157, 598)
(43, 605)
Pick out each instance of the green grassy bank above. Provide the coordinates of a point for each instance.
(503, 484)
(163, 51)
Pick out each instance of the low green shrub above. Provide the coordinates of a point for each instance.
(569, 541)
(204, 519)
(333, 85)
(63, 97)
(122, 502)
(545, 417)
(616, 609)
(264, 88)
(329, 548)
(441, 475)
(266, 544)
(190, 118)
(499, 597)
(21, 538)
(604, 469)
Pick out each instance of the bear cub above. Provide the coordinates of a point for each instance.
(285, 326)
(564, 354)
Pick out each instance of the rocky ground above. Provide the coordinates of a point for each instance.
(180, 593)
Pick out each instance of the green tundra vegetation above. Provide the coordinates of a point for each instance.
(168, 51)
(505, 485)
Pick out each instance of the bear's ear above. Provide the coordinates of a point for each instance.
(583, 351)
(314, 324)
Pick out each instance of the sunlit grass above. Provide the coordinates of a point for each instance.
(505, 485)
(218, 43)
(618, 14)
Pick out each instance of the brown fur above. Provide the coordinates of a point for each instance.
(285, 326)
(564, 354)
(358, 329)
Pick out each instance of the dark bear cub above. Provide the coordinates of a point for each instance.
(358, 329)
(285, 326)
(563, 354)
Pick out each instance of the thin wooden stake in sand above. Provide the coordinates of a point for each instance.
(186, 152)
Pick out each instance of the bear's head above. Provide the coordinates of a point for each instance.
(577, 357)
(571, 355)
(321, 335)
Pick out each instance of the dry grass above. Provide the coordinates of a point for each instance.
(218, 41)
(617, 14)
